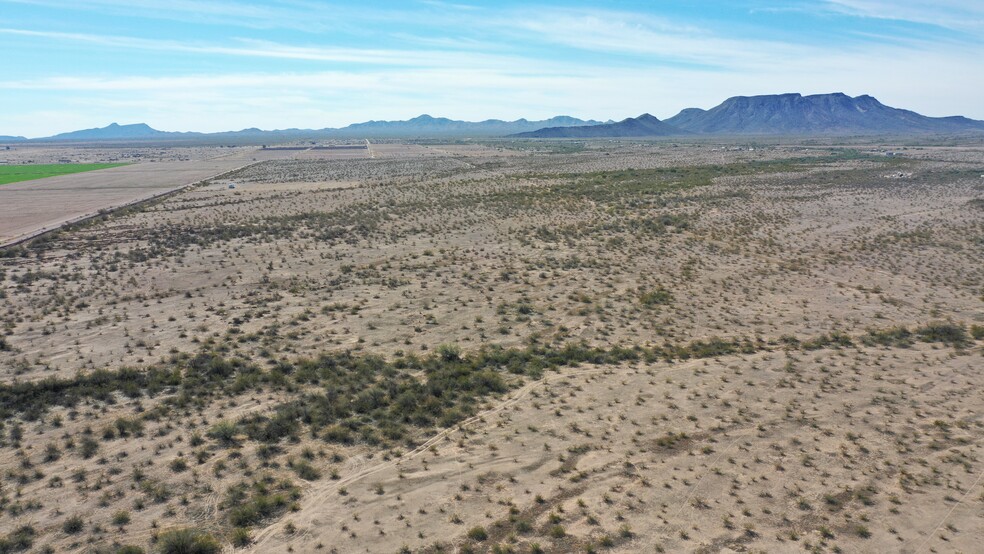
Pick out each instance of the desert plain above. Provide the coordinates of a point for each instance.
(501, 346)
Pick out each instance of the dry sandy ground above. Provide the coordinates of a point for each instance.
(99, 152)
(30, 206)
(819, 448)
(433, 250)
(862, 450)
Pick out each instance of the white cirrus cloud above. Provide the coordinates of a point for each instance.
(955, 14)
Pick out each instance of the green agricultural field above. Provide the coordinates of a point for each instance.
(16, 173)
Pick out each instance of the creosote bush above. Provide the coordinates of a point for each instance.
(187, 541)
(73, 525)
(478, 533)
(251, 503)
(19, 540)
(241, 537)
(365, 398)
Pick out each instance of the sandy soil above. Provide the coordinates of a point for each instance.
(30, 206)
(781, 452)
(845, 426)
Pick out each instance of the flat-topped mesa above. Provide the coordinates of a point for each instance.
(823, 114)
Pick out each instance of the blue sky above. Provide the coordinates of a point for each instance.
(231, 64)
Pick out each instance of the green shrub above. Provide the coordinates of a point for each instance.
(187, 541)
(945, 332)
(241, 537)
(158, 492)
(125, 427)
(224, 432)
(88, 447)
(449, 352)
(478, 533)
(834, 339)
(250, 509)
(338, 434)
(73, 525)
(895, 336)
(18, 541)
(305, 470)
(121, 518)
(659, 296)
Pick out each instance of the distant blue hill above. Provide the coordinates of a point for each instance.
(421, 126)
(117, 131)
(778, 114)
(426, 125)
(775, 114)
(643, 126)
(818, 114)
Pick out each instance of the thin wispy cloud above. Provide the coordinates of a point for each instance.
(294, 15)
(623, 33)
(954, 14)
(311, 64)
(267, 49)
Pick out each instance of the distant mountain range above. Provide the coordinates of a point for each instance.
(426, 125)
(795, 114)
(421, 126)
(643, 126)
(775, 114)
(778, 114)
(117, 131)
